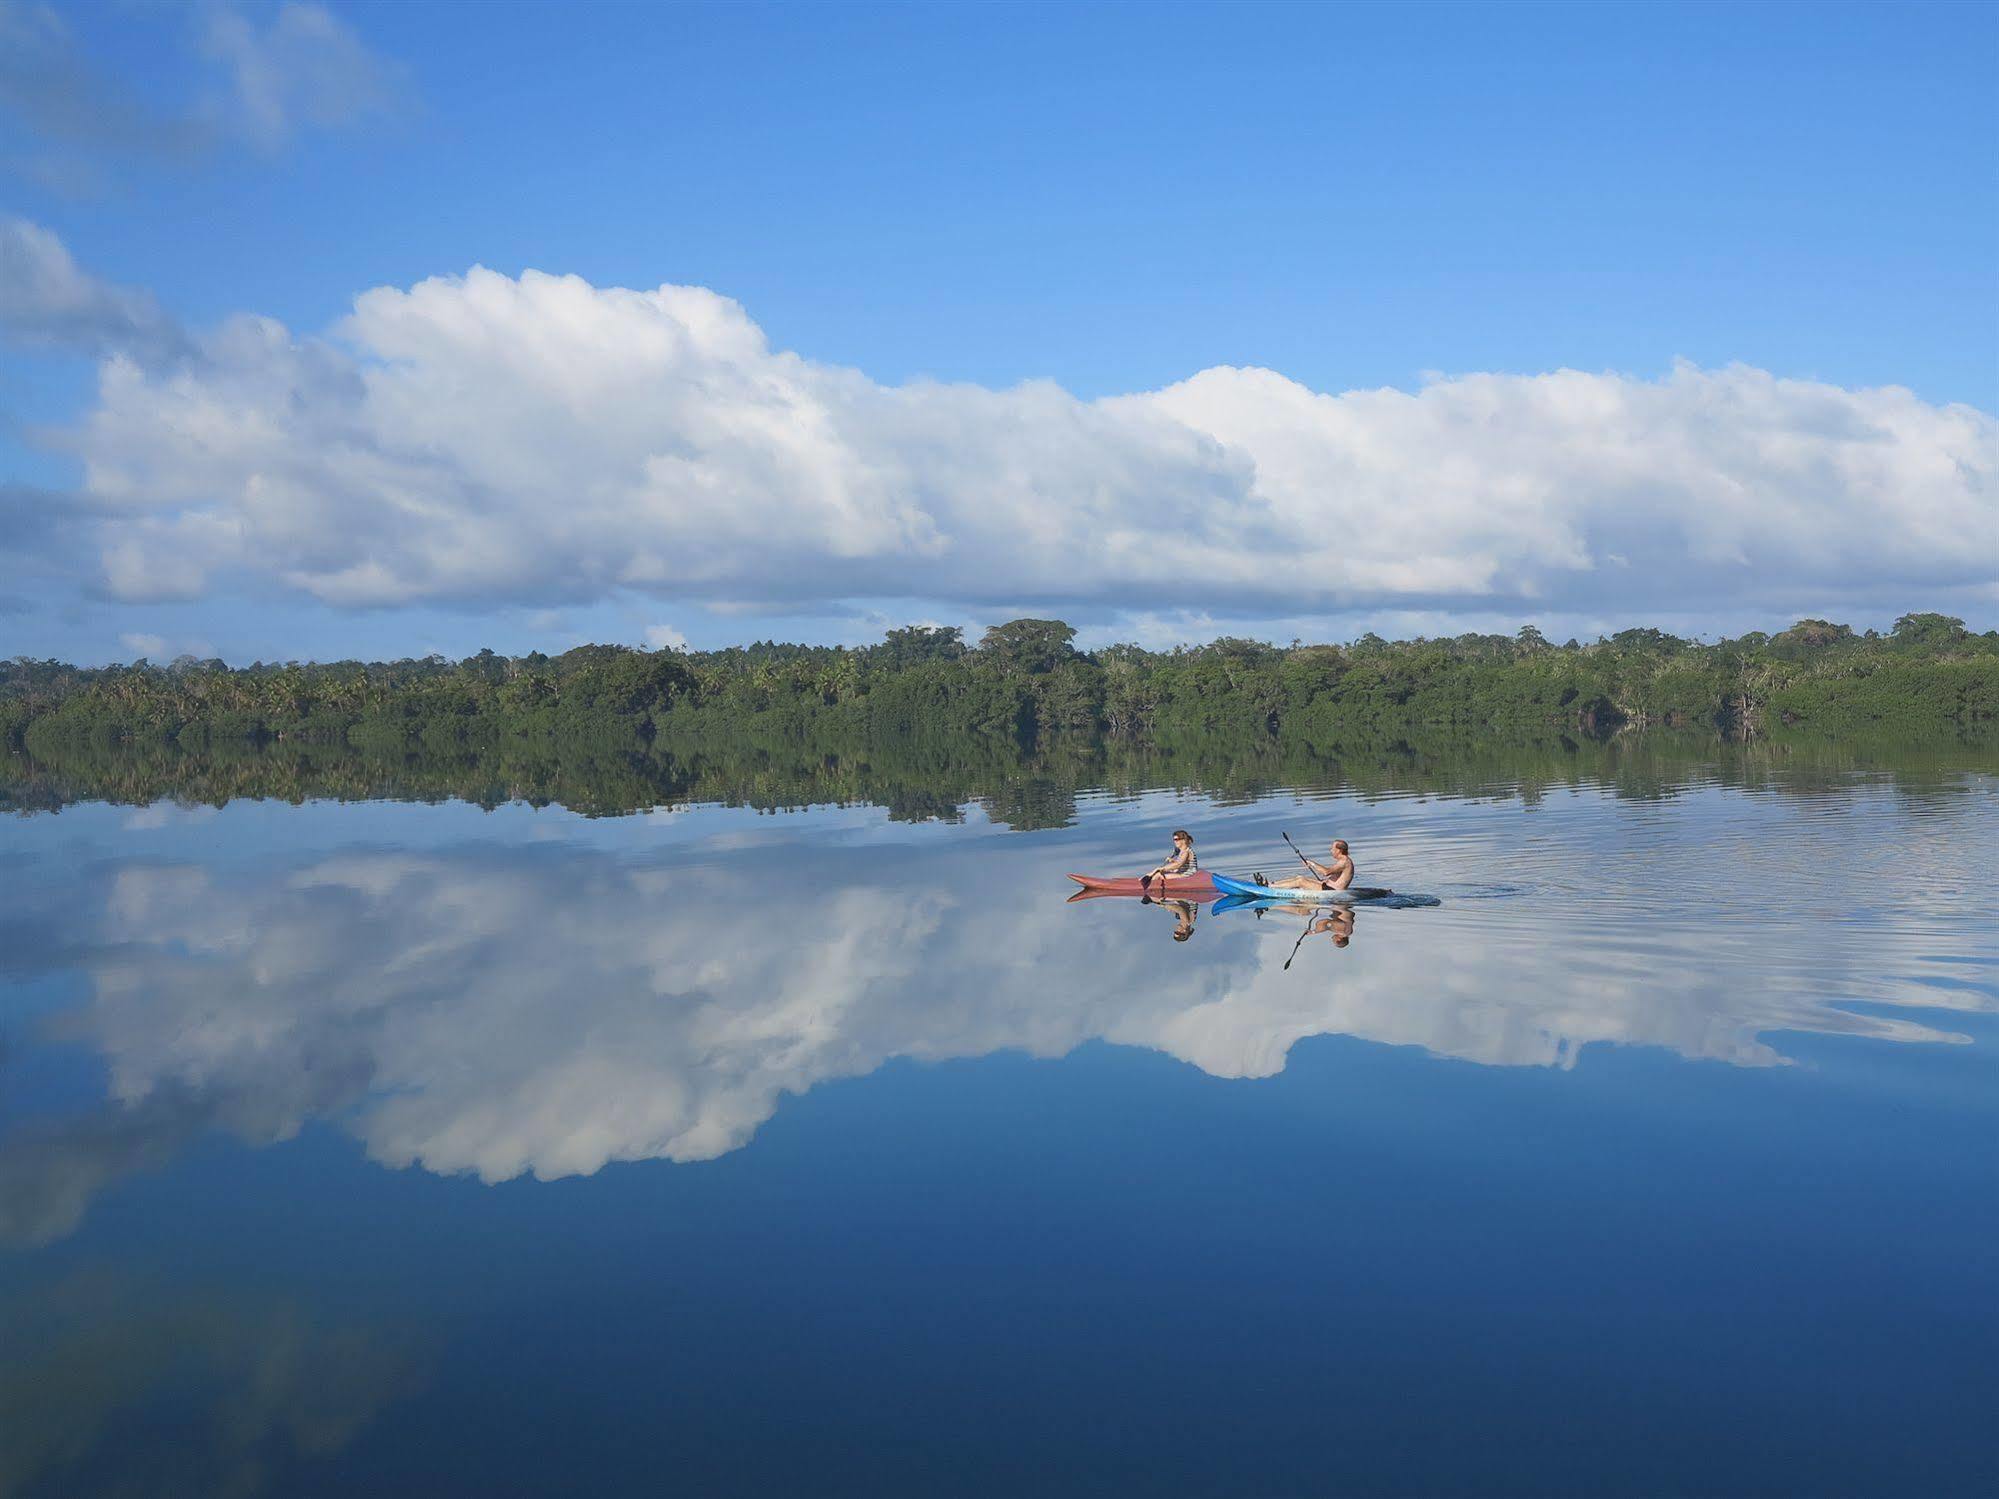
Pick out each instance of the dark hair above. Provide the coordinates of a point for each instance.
(1340, 844)
(1183, 833)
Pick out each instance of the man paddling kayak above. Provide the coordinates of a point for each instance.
(1336, 875)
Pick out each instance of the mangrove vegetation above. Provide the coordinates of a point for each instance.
(923, 723)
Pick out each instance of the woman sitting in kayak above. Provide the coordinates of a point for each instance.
(1181, 862)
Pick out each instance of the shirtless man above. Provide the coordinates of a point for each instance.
(1336, 875)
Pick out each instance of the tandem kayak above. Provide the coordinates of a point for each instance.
(1186, 886)
(1229, 885)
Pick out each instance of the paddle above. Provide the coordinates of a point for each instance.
(1305, 861)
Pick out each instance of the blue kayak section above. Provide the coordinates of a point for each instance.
(1230, 885)
(1239, 894)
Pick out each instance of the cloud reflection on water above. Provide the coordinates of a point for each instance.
(545, 1009)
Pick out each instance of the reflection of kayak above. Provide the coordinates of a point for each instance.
(1186, 886)
(1191, 897)
(1229, 885)
(1243, 903)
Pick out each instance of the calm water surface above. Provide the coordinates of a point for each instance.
(402, 1149)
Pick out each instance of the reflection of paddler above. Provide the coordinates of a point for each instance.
(1334, 921)
(1339, 922)
(1183, 912)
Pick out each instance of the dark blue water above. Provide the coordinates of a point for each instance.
(400, 1149)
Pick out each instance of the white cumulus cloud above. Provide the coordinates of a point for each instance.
(487, 440)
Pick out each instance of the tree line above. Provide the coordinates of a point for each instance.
(1025, 685)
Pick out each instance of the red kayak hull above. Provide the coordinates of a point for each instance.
(1185, 886)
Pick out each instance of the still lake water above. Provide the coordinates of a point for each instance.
(417, 1149)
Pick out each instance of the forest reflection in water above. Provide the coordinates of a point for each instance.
(919, 779)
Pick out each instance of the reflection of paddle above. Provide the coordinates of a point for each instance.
(1300, 942)
(1305, 861)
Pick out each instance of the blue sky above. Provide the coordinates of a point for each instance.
(1110, 198)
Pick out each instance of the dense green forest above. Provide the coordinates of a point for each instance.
(1025, 683)
(923, 724)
